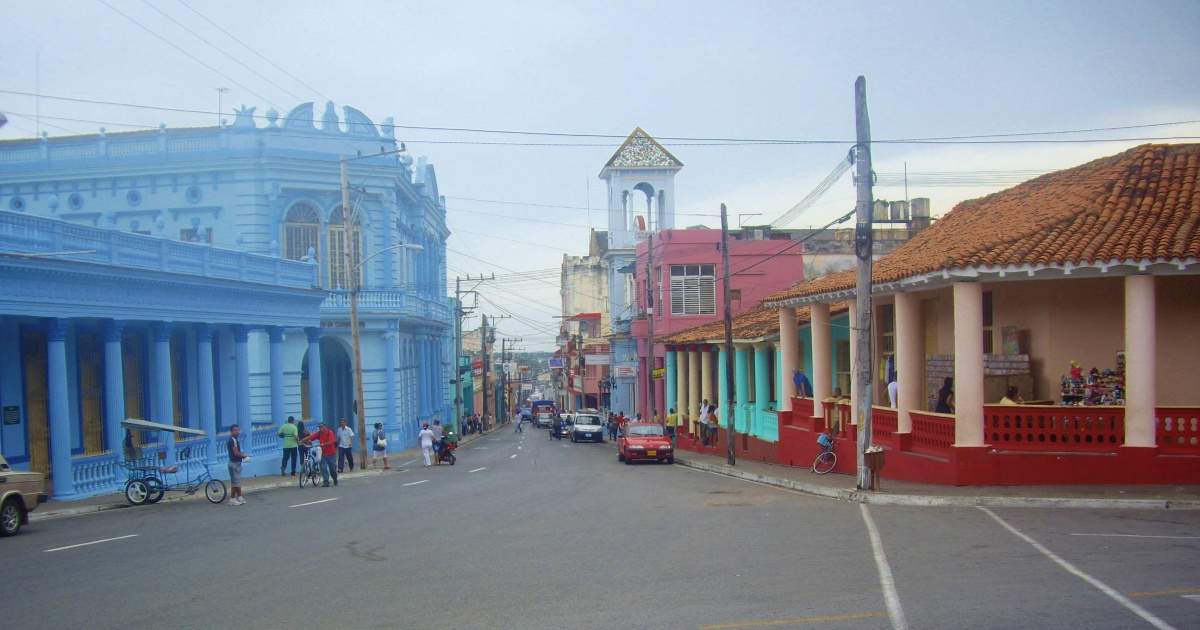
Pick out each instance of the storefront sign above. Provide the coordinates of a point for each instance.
(556, 363)
(12, 415)
(596, 359)
(659, 372)
(478, 368)
(625, 371)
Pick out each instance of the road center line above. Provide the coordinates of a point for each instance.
(1140, 536)
(890, 596)
(513, 456)
(313, 502)
(477, 469)
(94, 542)
(1101, 586)
(788, 622)
(416, 482)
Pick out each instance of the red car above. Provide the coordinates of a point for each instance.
(645, 440)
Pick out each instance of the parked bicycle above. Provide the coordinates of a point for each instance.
(826, 459)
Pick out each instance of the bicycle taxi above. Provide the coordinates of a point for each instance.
(150, 478)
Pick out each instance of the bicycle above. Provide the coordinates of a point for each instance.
(310, 468)
(826, 459)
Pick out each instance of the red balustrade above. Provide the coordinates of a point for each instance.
(1177, 430)
(802, 407)
(884, 424)
(845, 417)
(1068, 429)
(932, 433)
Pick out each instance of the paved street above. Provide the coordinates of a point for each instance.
(530, 533)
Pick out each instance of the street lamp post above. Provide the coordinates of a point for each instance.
(352, 287)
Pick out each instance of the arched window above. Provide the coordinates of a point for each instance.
(301, 230)
(337, 250)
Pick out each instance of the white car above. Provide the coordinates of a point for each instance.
(589, 427)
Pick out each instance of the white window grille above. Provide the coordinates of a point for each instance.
(693, 290)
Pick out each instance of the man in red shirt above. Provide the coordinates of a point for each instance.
(328, 443)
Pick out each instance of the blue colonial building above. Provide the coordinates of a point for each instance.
(198, 277)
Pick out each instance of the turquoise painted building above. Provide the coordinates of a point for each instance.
(199, 277)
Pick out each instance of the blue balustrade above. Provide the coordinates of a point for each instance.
(96, 474)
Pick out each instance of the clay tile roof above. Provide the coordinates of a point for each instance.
(756, 323)
(1142, 204)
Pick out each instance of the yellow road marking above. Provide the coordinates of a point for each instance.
(1178, 591)
(782, 622)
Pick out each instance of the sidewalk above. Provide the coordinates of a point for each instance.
(250, 485)
(843, 487)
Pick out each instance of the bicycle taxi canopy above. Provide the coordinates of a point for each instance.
(145, 425)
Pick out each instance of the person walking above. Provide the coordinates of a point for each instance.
(236, 457)
(672, 422)
(345, 443)
(426, 439)
(704, 413)
(945, 397)
(713, 424)
(327, 442)
(379, 447)
(438, 434)
(288, 432)
(520, 421)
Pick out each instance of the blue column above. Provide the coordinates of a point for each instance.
(278, 412)
(207, 387)
(670, 397)
(392, 350)
(60, 417)
(316, 404)
(114, 386)
(422, 391)
(163, 394)
(241, 353)
(762, 383)
(741, 383)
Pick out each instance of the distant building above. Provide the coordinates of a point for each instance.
(585, 322)
(198, 277)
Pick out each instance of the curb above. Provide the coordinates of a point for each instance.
(122, 504)
(872, 498)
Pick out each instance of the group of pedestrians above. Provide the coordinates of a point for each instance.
(431, 440)
(476, 423)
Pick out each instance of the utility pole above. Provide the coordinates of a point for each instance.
(730, 428)
(862, 251)
(484, 337)
(352, 285)
(652, 402)
(459, 314)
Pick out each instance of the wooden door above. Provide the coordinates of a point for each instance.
(91, 392)
(37, 401)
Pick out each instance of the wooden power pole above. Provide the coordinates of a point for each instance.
(730, 429)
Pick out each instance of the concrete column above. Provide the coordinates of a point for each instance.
(789, 356)
(909, 358)
(114, 387)
(1140, 361)
(968, 364)
(163, 395)
(852, 322)
(741, 384)
(59, 408)
(671, 395)
(207, 387)
(706, 374)
(694, 376)
(681, 381)
(723, 392)
(822, 368)
(278, 411)
(762, 384)
(316, 403)
(391, 340)
(422, 385)
(241, 353)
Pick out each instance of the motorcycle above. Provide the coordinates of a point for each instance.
(446, 454)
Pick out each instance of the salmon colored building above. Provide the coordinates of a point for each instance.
(1095, 266)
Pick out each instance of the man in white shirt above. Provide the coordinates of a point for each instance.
(894, 389)
(345, 442)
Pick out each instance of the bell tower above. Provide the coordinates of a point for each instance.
(641, 190)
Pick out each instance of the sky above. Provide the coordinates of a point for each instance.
(776, 78)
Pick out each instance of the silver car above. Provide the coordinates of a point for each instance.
(20, 494)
